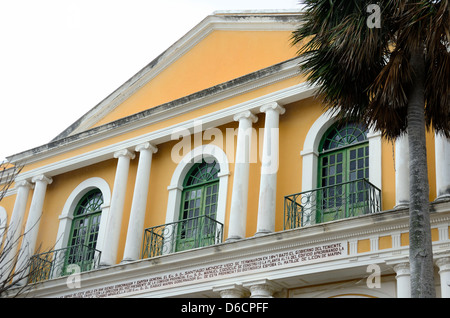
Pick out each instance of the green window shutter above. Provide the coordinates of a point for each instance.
(84, 231)
(343, 167)
(199, 207)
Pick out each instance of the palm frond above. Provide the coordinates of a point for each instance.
(364, 73)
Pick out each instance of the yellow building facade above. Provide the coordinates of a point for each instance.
(214, 172)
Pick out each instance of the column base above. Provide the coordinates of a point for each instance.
(402, 205)
(127, 260)
(233, 239)
(443, 197)
(262, 233)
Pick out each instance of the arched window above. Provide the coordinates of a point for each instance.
(199, 206)
(84, 231)
(343, 172)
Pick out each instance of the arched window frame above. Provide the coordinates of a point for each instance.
(70, 205)
(310, 152)
(176, 185)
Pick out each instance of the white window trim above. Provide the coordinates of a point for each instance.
(176, 185)
(310, 153)
(66, 216)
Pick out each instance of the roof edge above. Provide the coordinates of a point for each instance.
(175, 51)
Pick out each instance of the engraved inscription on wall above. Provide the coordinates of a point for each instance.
(260, 263)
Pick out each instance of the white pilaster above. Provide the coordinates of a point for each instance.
(34, 219)
(444, 272)
(15, 226)
(139, 204)
(239, 196)
(401, 172)
(403, 280)
(442, 157)
(109, 252)
(269, 169)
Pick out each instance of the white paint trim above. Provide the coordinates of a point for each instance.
(310, 152)
(66, 216)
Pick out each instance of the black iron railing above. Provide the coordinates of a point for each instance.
(331, 203)
(62, 262)
(181, 235)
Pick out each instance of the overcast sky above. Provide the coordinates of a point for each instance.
(60, 58)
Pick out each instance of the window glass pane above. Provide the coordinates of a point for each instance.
(342, 136)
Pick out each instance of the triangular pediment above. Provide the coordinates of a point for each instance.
(222, 47)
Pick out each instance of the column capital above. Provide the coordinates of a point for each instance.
(273, 106)
(42, 178)
(402, 269)
(245, 115)
(231, 291)
(146, 146)
(443, 264)
(124, 153)
(263, 288)
(23, 183)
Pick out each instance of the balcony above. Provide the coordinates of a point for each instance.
(62, 262)
(331, 203)
(182, 235)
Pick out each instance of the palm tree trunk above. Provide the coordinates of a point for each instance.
(420, 249)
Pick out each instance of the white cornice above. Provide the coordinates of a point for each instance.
(196, 101)
(243, 21)
(210, 120)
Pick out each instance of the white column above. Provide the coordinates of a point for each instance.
(109, 253)
(14, 229)
(239, 196)
(403, 280)
(139, 204)
(33, 220)
(442, 154)
(401, 172)
(269, 169)
(444, 272)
